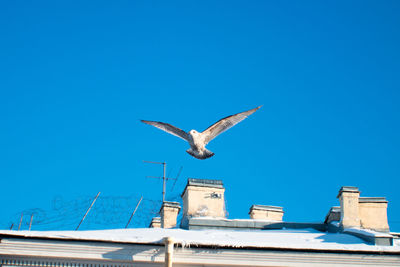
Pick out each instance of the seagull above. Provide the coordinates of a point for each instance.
(197, 140)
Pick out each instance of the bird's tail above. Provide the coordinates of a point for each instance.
(205, 154)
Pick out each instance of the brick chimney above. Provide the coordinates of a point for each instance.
(155, 222)
(203, 198)
(263, 212)
(348, 197)
(169, 212)
(373, 213)
(363, 212)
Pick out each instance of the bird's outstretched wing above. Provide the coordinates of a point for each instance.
(168, 128)
(224, 124)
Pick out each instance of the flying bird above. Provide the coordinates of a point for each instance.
(198, 141)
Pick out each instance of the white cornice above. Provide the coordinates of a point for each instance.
(54, 252)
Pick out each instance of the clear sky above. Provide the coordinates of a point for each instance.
(77, 76)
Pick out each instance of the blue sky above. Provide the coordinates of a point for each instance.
(77, 76)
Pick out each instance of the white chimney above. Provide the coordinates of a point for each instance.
(263, 212)
(155, 222)
(373, 213)
(203, 198)
(169, 212)
(364, 212)
(349, 213)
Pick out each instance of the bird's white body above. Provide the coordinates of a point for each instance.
(197, 144)
(198, 141)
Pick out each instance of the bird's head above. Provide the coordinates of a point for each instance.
(193, 132)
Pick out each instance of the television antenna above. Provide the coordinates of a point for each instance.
(164, 178)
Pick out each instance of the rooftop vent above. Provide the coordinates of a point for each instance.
(264, 212)
(333, 215)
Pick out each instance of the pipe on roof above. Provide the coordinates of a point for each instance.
(169, 251)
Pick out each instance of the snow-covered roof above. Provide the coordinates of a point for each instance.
(304, 239)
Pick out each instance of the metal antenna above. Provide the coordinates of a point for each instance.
(88, 211)
(133, 213)
(163, 177)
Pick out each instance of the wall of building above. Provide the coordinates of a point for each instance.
(31, 252)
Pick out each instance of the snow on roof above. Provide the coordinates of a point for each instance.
(308, 239)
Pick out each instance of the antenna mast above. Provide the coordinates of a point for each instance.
(164, 178)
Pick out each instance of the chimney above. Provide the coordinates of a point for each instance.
(169, 212)
(373, 213)
(349, 212)
(364, 212)
(203, 198)
(155, 222)
(263, 212)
